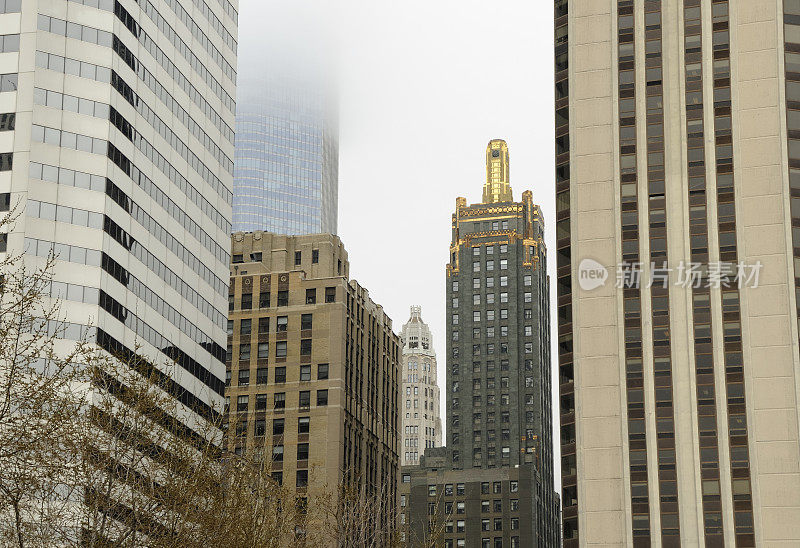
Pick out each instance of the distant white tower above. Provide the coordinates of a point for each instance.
(421, 422)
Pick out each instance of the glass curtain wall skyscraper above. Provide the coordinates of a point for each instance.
(287, 153)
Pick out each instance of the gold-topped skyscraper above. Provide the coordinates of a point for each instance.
(498, 184)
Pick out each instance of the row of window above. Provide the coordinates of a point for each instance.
(505, 418)
(264, 300)
(490, 298)
(157, 339)
(490, 315)
(185, 84)
(281, 348)
(527, 280)
(198, 34)
(151, 45)
(78, 179)
(163, 129)
(262, 374)
(279, 400)
(477, 366)
(490, 332)
(155, 265)
(490, 349)
(160, 161)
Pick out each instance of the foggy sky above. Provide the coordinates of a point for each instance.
(423, 87)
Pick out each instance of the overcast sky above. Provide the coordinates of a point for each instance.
(424, 86)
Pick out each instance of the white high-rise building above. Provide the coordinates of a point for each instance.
(421, 421)
(117, 149)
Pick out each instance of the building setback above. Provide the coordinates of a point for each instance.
(313, 367)
(116, 149)
(677, 144)
(421, 423)
(498, 368)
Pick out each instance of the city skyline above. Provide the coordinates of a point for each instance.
(406, 147)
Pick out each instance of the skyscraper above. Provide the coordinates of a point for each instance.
(677, 238)
(287, 154)
(499, 412)
(421, 425)
(118, 150)
(313, 370)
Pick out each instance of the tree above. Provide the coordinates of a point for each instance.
(38, 396)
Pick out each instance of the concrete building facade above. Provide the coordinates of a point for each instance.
(421, 424)
(676, 142)
(313, 367)
(116, 155)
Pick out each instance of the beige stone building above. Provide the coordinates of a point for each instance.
(313, 366)
(421, 422)
(677, 128)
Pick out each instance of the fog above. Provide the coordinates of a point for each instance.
(423, 87)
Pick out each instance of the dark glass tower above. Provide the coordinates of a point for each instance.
(498, 333)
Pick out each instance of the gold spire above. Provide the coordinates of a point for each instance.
(498, 185)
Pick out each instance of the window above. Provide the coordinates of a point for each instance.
(461, 507)
(311, 296)
(280, 349)
(263, 350)
(260, 427)
(302, 478)
(476, 315)
(263, 325)
(241, 403)
(455, 285)
(476, 299)
(322, 397)
(476, 251)
(330, 294)
(305, 399)
(489, 265)
(230, 322)
(503, 281)
(406, 478)
(277, 427)
(277, 453)
(503, 248)
(280, 400)
(315, 256)
(497, 488)
(528, 296)
(283, 298)
(282, 324)
(514, 487)
(503, 297)
(305, 372)
(244, 377)
(302, 451)
(262, 375)
(503, 264)
(303, 425)
(244, 352)
(476, 283)
(298, 258)
(431, 490)
(306, 321)
(263, 298)
(476, 266)
(261, 402)
(305, 347)
(485, 506)
(489, 283)
(527, 280)
(460, 527)
(280, 374)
